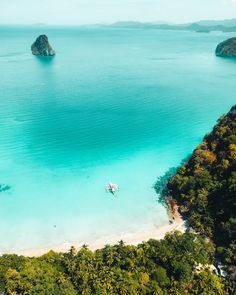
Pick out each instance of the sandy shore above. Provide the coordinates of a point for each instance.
(128, 238)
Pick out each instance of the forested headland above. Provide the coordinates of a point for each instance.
(205, 188)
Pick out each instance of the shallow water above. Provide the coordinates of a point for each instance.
(119, 105)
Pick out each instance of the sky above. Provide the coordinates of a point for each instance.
(73, 12)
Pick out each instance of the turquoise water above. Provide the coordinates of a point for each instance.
(120, 105)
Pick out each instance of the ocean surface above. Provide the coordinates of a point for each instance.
(120, 105)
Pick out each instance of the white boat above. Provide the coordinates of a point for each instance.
(112, 188)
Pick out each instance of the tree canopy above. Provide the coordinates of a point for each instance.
(154, 267)
(205, 188)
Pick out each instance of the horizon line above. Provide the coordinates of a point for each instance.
(114, 22)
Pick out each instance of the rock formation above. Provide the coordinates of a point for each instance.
(227, 48)
(41, 47)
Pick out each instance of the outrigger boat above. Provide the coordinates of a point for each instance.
(112, 188)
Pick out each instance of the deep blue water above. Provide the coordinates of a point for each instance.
(114, 104)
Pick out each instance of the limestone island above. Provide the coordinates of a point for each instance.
(41, 47)
(227, 48)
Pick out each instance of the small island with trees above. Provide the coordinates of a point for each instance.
(42, 47)
(227, 48)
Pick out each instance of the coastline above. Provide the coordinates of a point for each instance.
(178, 224)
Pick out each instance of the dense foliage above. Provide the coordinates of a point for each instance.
(155, 267)
(205, 187)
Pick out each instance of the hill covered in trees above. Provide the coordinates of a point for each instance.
(205, 188)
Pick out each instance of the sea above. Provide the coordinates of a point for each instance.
(114, 105)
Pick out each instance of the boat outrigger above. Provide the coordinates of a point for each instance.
(112, 188)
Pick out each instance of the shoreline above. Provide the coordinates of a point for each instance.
(178, 224)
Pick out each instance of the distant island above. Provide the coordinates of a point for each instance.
(205, 26)
(42, 47)
(227, 48)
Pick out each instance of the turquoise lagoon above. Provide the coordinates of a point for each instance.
(121, 105)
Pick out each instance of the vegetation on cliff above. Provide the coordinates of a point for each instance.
(227, 48)
(41, 47)
(205, 188)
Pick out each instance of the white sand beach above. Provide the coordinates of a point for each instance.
(128, 238)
